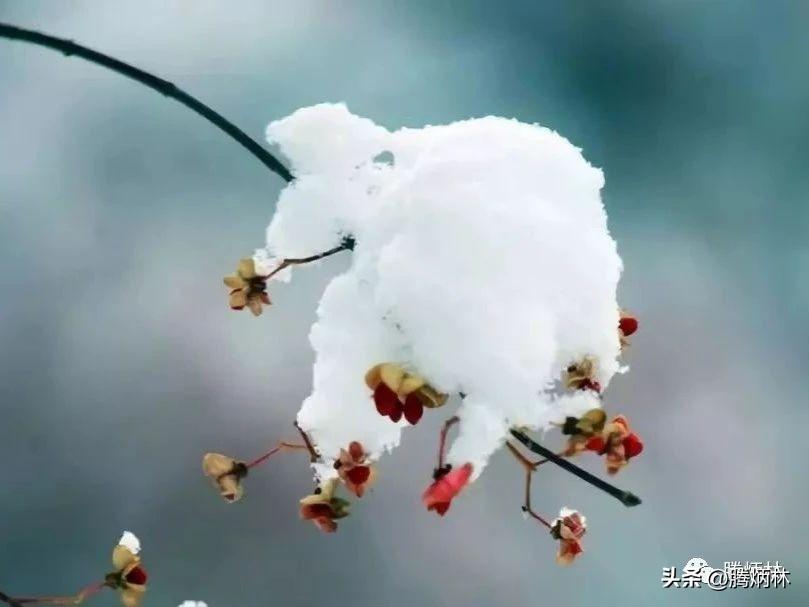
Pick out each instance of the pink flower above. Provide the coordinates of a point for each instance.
(447, 485)
(357, 475)
(618, 443)
(323, 509)
(568, 528)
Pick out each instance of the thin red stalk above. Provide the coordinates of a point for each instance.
(56, 600)
(530, 468)
(442, 441)
(279, 447)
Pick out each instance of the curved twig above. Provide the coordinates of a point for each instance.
(68, 47)
(4, 598)
(627, 498)
(347, 244)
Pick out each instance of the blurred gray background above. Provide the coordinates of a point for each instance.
(121, 210)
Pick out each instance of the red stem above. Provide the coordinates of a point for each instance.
(530, 468)
(55, 600)
(279, 447)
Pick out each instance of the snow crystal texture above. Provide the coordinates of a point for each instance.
(130, 541)
(482, 262)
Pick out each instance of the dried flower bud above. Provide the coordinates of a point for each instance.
(582, 429)
(247, 288)
(129, 577)
(355, 472)
(620, 444)
(581, 375)
(568, 528)
(226, 474)
(323, 509)
(397, 392)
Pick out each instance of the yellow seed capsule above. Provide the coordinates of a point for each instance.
(392, 376)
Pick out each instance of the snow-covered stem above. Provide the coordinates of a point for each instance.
(627, 498)
(282, 446)
(346, 245)
(70, 48)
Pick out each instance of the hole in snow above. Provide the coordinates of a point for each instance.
(385, 157)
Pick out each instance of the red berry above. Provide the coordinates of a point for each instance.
(441, 508)
(359, 475)
(632, 445)
(385, 399)
(628, 325)
(595, 443)
(413, 409)
(396, 414)
(137, 576)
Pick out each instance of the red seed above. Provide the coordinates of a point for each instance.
(359, 475)
(628, 325)
(385, 399)
(413, 409)
(313, 511)
(632, 445)
(396, 414)
(595, 443)
(137, 576)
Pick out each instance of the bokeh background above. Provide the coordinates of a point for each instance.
(121, 364)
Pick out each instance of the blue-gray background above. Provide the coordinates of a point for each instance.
(121, 365)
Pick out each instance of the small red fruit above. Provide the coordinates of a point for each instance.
(628, 325)
(413, 409)
(137, 576)
(386, 400)
(396, 414)
(359, 475)
(595, 443)
(632, 445)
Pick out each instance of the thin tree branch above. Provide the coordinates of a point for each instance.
(279, 447)
(442, 441)
(530, 468)
(627, 498)
(68, 48)
(7, 599)
(346, 245)
(55, 600)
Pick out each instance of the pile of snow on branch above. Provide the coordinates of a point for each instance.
(483, 262)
